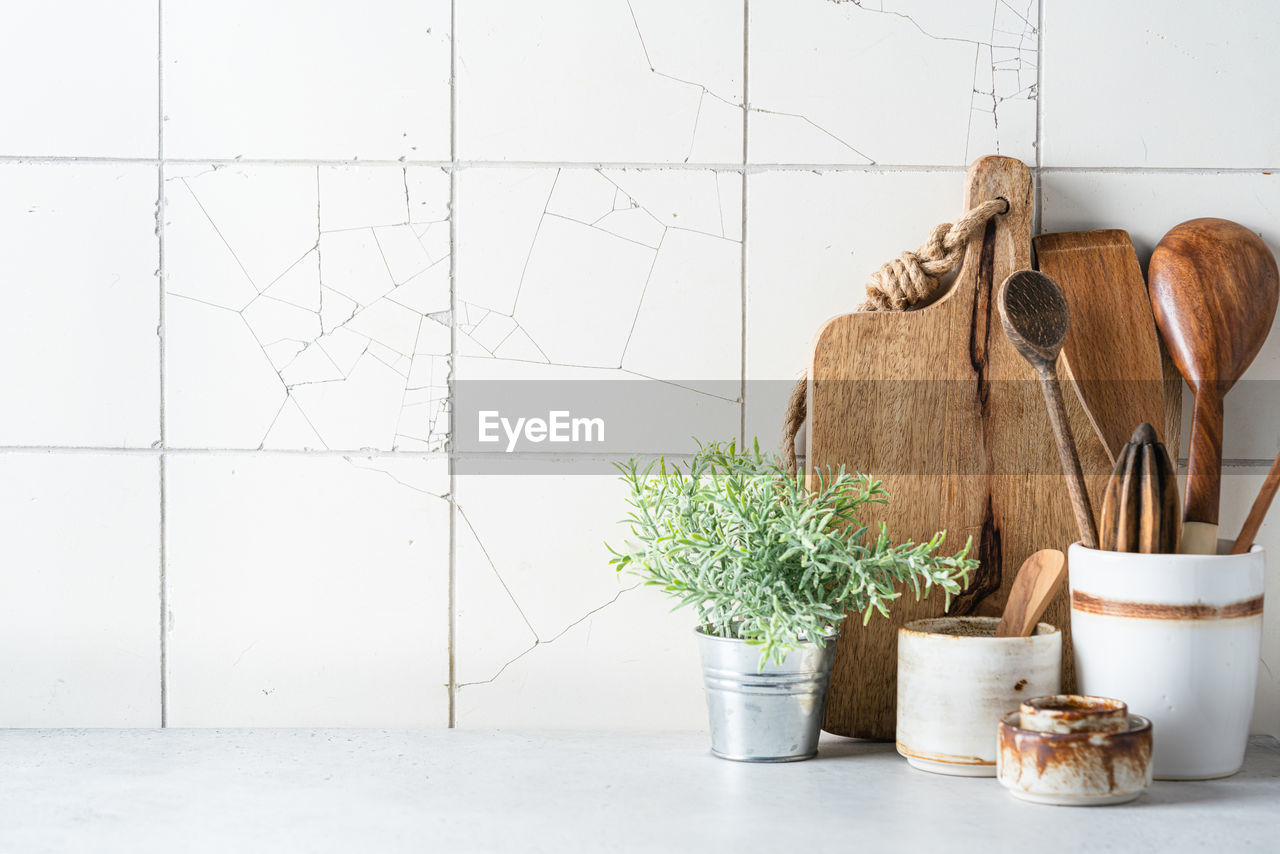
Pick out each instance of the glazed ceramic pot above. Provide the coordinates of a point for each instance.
(1178, 638)
(956, 680)
(1071, 750)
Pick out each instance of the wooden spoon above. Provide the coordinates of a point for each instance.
(1258, 512)
(1038, 580)
(1034, 312)
(1214, 288)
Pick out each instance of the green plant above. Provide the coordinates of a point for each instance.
(761, 558)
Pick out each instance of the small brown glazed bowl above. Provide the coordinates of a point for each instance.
(1074, 713)
(1077, 751)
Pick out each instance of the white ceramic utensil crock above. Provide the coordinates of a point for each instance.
(956, 680)
(1177, 637)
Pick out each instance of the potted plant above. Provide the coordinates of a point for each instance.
(770, 568)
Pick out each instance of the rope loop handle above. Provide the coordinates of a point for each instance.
(899, 284)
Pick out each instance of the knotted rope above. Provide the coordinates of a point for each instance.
(900, 284)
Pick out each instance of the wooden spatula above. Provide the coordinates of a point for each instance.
(1113, 353)
(1037, 582)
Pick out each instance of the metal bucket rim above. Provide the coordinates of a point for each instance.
(828, 638)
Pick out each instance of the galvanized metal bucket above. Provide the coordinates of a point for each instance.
(769, 715)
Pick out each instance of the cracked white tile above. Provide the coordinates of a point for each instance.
(300, 304)
(607, 274)
(617, 81)
(78, 335)
(300, 79)
(540, 613)
(812, 244)
(79, 616)
(348, 563)
(360, 199)
(894, 82)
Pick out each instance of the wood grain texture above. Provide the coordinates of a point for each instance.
(1112, 357)
(1118, 523)
(1034, 312)
(1037, 583)
(1161, 526)
(1140, 505)
(1214, 288)
(1258, 511)
(938, 404)
(1173, 386)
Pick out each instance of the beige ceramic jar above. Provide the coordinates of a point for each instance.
(956, 680)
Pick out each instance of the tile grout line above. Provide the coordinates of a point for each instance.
(1229, 462)
(748, 168)
(453, 357)
(742, 257)
(160, 331)
(156, 451)
(1038, 204)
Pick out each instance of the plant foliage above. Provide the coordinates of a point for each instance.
(761, 558)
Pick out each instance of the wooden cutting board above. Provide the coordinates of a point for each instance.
(938, 405)
(1113, 353)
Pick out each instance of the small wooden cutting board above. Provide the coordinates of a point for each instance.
(1112, 355)
(938, 405)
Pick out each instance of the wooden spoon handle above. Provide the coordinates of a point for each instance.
(1259, 511)
(1204, 468)
(1204, 473)
(1070, 459)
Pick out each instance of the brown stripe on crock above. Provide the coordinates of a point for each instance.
(1154, 611)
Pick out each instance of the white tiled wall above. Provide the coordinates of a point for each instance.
(248, 246)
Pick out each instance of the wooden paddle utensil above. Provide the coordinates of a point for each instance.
(1034, 588)
(1140, 506)
(1214, 288)
(1112, 356)
(1036, 318)
(1258, 512)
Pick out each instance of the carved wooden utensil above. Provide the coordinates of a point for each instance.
(1258, 512)
(1112, 356)
(1036, 318)
(1038, 581)
(1214, 288)
(1140, 507)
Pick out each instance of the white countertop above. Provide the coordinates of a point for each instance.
(461, 790)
